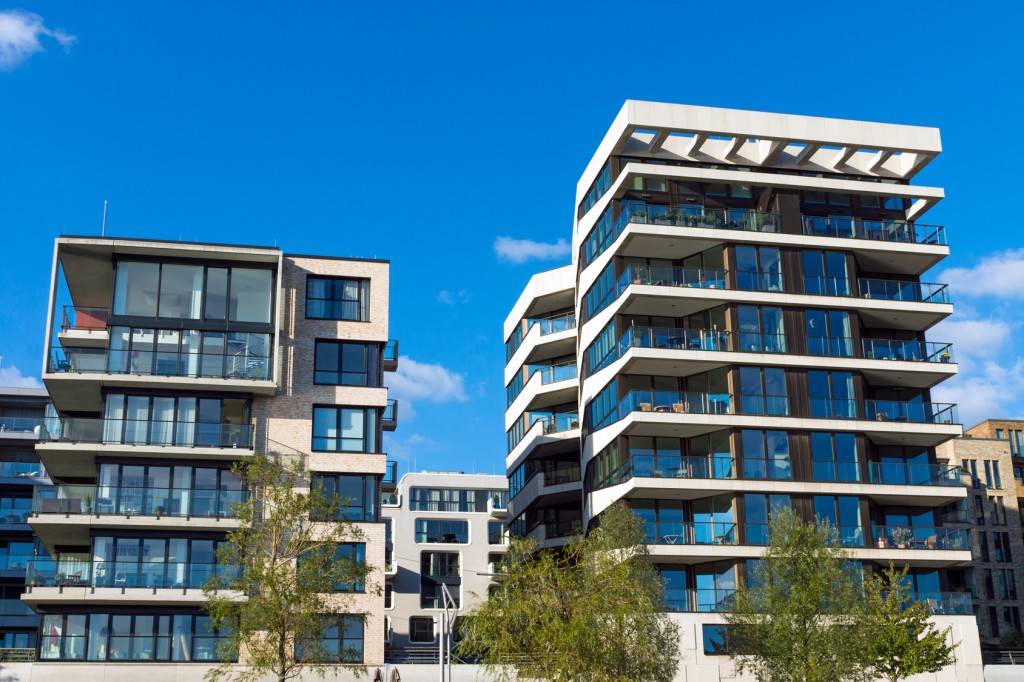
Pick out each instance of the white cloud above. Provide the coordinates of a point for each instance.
(522, 250)
(11, 377)
(20, 34)
(983, 338)
(445, 297)
(448, 298)
(424, 381)
(408, 449)
(1000, 275)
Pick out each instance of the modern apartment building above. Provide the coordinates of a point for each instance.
(166, 362)
(21, 416)
(992, 464)
(744, 327)
(443, 530)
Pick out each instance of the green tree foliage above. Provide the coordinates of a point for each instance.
(283, 598)
(795, 620)
(592, 610)
(901, 642)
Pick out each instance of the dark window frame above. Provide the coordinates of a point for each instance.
(362, 300)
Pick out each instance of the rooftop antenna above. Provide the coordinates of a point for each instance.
(103, 228)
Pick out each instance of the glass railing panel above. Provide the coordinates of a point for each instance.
(947, 603)
(159, 363)
(122, 501)
(553, 325)
(837, 472)
(919, 537)
(27, 470)
(90, 319)
(767, 468)
(147, 432)
(757, 342)
(674, 338)
(819, 285)
(555, 373)
(915, 292)
(753, 280)
(904, 473)
(833, 408)
(391, 472)
(88, 573)
(677, 402)
(914, 412)
(19, 424)
(664, 275)
(391, 351)
(771, 405)
(912, 351)
(830, 346)
(390, 412)
(849, 536)
(888, 230)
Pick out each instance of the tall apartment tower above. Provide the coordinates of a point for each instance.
(166, 362)
(745, 314)
(21, 417)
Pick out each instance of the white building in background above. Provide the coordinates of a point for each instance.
(743, 327)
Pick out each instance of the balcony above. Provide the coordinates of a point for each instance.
(20, 427)
(84, 327)
(23, 472)
(701, 600)
(102, 500)
(886, 230)
(389, 417)
(147, 433)
(693, 533)
(909, 292)
(551, 424)
(920, 538)
(902, 473)
(913, 412)
(390, 358)
(497, 505)
(124, 574)
(390, 479)
(909, 351)
(546, 326)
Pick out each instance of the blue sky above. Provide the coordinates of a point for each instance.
(423, 132)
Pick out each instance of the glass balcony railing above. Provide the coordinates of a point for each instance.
(28, 470)
(913, 351)
(391, 473)
(830, 346)
(903, 473)
(692, 533)
(86, 319)
(555, 373)
(674, 338)
(849, 536)
(550, 424)
(919, 537)
(667, 466)
(947, 603)
(886, 230)
(914, 412)
(675, 401)
(700, 600)
(149, 432)
(159, 363)
(562, 528)
(101, 500)
(153, 574)
(391, 353)
(19, 424)
(756, 280)
(821, 285)
(913, 292)
(671, 276)
(553, 325)
(688, 215)
(390, 413)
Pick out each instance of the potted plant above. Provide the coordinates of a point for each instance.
(709, 220)
(638, 335)
(638, 216)
(902, 537)
(87, 504)
(945, 357)
(158, 510)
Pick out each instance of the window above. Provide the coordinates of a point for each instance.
(454, 499)
(759, 509)
(440, 530)
(761, 329)
(495, 533)
(151, 562)
(345, 429)
(356, 494)
(1007, 583)
(834, 457)
(193, 292)
(983, 543)
(763, 391)
(353, 556)
(347, 363)
(129, 637)
(421, 629)
(716, 640)
(831, 394)
(1011, 617)
(828, 333)
(180, 421)
(330, 298)
(342, 640)
(825, 273)
(187, 352)
(663, 520)
(993, 621)
(389, 596)
(766, 455)
(843, 513)
(438, 569)
(440, 564)
(758, 268)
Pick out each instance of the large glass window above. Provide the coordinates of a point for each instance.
(129, 637)
(152, 562)
(442, 530)
(455, 499)
(828, 333)
(759, 509)
(437, 569)
(182, 291)
(758, 268)
(761, 329)
(345, 429)
(180, 421)
(347, 363)
(842, 512)
(763, 391)
(342, 641)
(825, 273)
(355, 494)
(172, 352)
(834, 457)
(766, 455)
(831, 394)
(335, 298)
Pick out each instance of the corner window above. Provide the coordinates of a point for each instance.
(333, 298)
(345, 429)
(347, 363)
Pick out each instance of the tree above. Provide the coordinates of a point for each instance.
(280, 600)
(796, 619)
(902, 642)
(592, 610)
